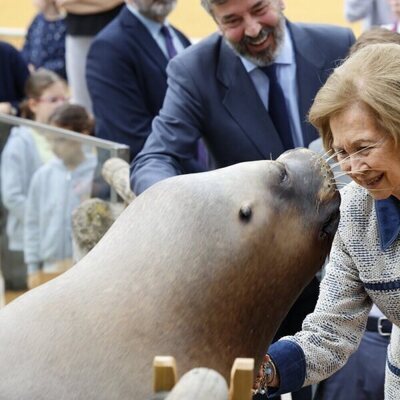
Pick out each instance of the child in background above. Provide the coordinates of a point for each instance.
(25, 151)
(45, 40)
(57, 188)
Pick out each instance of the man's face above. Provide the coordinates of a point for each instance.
(157, 10)
(253, 28)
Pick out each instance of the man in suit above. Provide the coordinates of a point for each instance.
(219, 90)
(126, 70)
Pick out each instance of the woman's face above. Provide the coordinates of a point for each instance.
(366, 153)
(52, 97)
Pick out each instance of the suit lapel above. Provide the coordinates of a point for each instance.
(241, 100)
(136, 29)
(310, 74)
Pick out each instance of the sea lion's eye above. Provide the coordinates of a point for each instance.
(283, 173)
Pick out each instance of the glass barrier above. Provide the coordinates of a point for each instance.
(46, 173)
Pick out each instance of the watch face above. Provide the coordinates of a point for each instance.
(268, 370)
(266, 375)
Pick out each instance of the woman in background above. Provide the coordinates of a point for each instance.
(57, 188)
(45, 40)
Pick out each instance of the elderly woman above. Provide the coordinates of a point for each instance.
(357, 113)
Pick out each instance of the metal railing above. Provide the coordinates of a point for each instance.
(116, 149)
(46, 174)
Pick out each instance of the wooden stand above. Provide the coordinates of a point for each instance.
(202, 383)
(164, 373)
(242, 379)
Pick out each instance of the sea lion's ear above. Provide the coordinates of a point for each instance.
(245, 212)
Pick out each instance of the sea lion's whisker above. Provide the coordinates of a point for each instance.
(327, 153)
(380, 190)
(361, 150)
(339, 163)
(340, 174)
(332, 156)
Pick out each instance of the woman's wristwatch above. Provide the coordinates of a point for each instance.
(266, 376)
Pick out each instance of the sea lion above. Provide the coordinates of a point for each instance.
(203, 267)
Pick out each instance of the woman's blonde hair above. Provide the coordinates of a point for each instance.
(369, 78)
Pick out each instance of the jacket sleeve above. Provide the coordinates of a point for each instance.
(171, 147)
(120, 110)
(332, 332)
(20, 75)
(31, 226)
(13, 190)
(354, 10)
(26, 50)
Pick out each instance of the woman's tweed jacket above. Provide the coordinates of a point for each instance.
(358, 273)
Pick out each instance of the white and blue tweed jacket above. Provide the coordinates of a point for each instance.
(361, 271)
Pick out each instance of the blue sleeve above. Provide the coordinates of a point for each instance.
(172, 145)
(28, 45)
(32, 223)
(14, 73)
(20, 77)
(121, 110)
(13, 187)
(290, 363)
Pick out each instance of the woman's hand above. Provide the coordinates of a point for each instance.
(267, 376)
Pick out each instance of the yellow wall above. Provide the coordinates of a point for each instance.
(192, 19)
(16, 13)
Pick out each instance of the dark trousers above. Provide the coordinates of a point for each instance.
(303, 306)
(363, 376)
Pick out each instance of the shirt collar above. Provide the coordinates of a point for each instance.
(152, 26)
(388, 215)
(285, 55)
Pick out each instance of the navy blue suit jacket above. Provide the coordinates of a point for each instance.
(210, 94)
(13, 75)
(127, 80)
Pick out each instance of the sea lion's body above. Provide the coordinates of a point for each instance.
(202, 267)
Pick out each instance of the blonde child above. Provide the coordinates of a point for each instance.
(57, 188)
(25, 151)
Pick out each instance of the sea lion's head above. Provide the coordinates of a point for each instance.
(306, 176)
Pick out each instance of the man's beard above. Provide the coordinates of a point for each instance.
(264, 57)
(155, 9)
